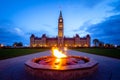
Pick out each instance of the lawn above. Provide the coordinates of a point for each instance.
(115, 53)
(9, 53)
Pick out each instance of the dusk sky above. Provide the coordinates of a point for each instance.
(21, 18)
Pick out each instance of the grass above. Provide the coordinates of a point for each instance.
(115, 53)
(9, 53)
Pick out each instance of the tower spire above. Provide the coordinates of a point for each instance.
(60, 31)
(60, 13)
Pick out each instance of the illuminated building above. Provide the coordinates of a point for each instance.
(60, 40)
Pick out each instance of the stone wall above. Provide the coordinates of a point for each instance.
(73, 74)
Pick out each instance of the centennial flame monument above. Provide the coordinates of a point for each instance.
(60, 65)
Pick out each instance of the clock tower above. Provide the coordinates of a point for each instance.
(60, 31)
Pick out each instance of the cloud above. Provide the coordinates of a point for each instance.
(107, 30)
(50, 30)
(9, 33)
(90, 3)
(85, 3)
(116, 6)
(82, 30)
(18, 31)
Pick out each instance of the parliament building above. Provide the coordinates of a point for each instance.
(60, 40)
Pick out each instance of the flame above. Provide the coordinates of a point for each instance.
(57, 63)
(57, 53)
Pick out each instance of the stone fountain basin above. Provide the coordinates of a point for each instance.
(33, 64)
(67, 72)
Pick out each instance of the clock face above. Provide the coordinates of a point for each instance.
(60, 20)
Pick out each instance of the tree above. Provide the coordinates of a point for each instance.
(96, 42)
(109, 45)
(101, 44)
(20, 44)
(17, 44)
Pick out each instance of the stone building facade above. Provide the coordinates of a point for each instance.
(60, 40)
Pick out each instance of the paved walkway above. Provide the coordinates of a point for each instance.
(13, 69)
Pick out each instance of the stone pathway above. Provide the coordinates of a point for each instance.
(13, 68)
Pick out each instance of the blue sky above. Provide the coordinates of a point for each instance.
(21, 18)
